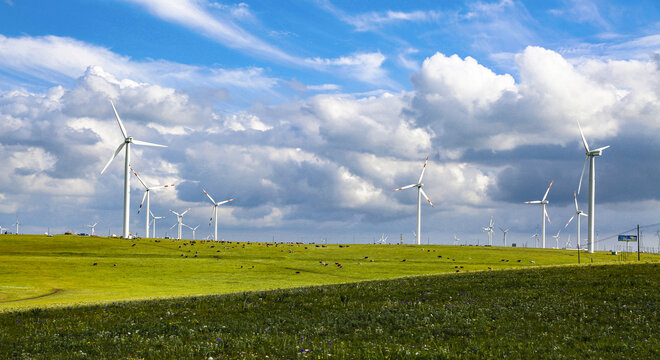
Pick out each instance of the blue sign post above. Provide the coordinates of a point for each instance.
(627, 238)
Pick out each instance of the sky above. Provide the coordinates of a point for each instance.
(310, 112)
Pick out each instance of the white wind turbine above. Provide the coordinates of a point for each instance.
(179, 219)
(578, 213)
(153, 222)
(192, 228)
(456, 239)
(544, 214)
(17, 223)
(591, 156)
(127, 160)
(146, 196)
(557, 239)
(489, 229)
(92, 227)
(505, 232)
(214, 215)
(420, 192)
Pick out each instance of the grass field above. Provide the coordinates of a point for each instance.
(595, 312)
(38, 271)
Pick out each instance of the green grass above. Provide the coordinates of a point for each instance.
(596, 312)
(39, 271)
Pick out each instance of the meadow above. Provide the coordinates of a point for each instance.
(594, 311)
(40, 271)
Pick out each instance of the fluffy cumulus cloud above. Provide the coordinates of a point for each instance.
(331, 160)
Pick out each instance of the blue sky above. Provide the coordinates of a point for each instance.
(310, 112)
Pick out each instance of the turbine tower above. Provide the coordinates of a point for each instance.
(127, 160)
(92, 227)
(153, 222)
(146, 196)
(179, 218)
(214, 214)
(578, 213)
(544, 214)
(591, 156)
(489, 229)
(505, 232)
(17, 223)
(420, 192)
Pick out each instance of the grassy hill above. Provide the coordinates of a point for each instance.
(38, 271)
(599, 312)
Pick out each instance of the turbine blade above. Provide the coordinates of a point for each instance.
(423, 169)
(426, 197)
(576, 205)
(173, 212)
(569, 221)
(185, 211)
(207, 194)
(547, 191)
(113, 157)
(143, 197)
(491, 222)
(226, 201)
(121, 126)
(139, 178)
(532, 202)
(582, 175)
(405, 187)
(144, 143)
(547, 217)
(602, 148)
(173, 226)
(584, 141)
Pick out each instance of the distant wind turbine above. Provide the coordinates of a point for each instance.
(505, 232)
(420, 192)
(214, 214)
(557, 239)
(92, 227)
(192, 228)
(578, 213)
(146, 196)
(456, 239)
(127, 160)
(153, 222)
(591, 156)
(489, 229)
(179, 218)
(544, 214)
(17, 223)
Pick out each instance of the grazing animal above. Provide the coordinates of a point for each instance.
(94, 264)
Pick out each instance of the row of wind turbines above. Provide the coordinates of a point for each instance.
(126, 146)
(590, 157)
(128, 140)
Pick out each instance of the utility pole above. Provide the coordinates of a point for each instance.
(638, 241)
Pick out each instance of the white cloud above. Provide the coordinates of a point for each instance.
(195, 15)
(366, 67)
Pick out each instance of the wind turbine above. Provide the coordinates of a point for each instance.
(456, 239)
(489, 229)
(536, 236)
(544, 215)
(127, 160)
(214, 215)
(383, 239)
(92, 227)
(192, 228)
(153, 221)
(420, 192)
(578, 213)
(146, 195)
(179, 218)
(591, 156)
(557, 239)
(505, 232)
(17, 223)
